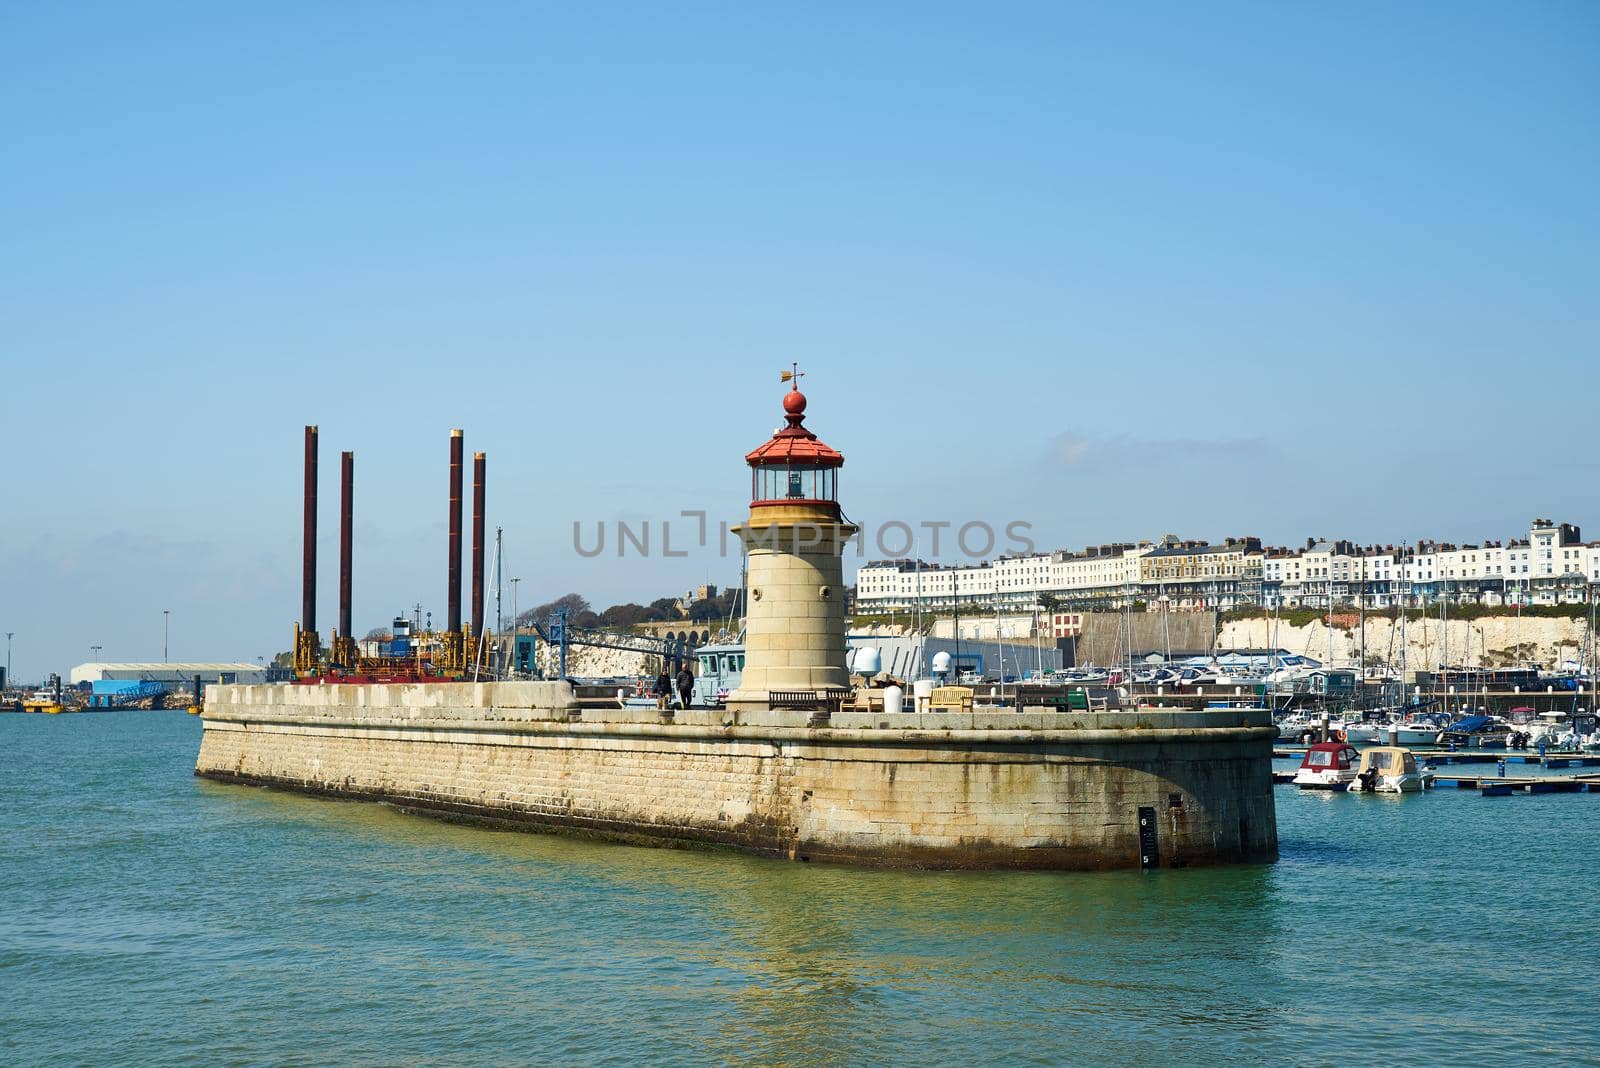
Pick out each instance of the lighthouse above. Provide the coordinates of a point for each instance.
(794, 577)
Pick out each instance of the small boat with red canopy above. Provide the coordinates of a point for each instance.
(1328, 766)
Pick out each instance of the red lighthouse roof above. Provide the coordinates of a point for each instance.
(794, 445)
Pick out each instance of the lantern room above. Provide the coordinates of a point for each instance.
(794, 467)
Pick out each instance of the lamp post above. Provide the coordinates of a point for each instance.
(9, 633)
(166, 617)
(514, 602)
(95, 649)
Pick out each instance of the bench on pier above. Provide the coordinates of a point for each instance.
(822, 704)
(1061, 698)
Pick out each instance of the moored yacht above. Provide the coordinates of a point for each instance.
(1390, 770)
(1328, 766)
(1415, 732)
(1476, 732)
(1365, 732)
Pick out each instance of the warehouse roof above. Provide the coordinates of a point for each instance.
(92, 671)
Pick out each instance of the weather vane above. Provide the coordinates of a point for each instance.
(792, 376)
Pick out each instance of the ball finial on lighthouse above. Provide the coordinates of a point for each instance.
(794, 402)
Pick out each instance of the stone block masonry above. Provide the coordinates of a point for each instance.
(795, 630)
(1054, 790)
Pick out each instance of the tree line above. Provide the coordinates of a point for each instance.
(580, 613)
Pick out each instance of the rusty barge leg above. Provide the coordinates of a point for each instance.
(347, 478)
(308, 558)
(453, 597)
(478, 465)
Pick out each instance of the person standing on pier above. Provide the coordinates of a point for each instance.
(663, 688)
(685, 683)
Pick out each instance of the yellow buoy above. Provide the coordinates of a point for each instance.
(194, 710)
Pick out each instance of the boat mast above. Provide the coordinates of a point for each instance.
(482, 649)
(1519, 626)
(1444, 634)
(1594, 659)
(1330, 613)
(1038, 641)
(737, 602)
(1361, 607)
(1388, 653)
(1215, 612)
(1124, 648)
(1127, 618)
(922, 648)
(499, 583)
(1277, 607)
(1577, 676)
(1402, 700)
(1166, 633)
(1427, 648)
(1000, 646)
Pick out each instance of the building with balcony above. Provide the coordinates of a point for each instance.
(1551, 566)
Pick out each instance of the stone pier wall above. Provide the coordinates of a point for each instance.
(984, 790)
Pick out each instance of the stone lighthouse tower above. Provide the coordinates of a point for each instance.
(795, 614)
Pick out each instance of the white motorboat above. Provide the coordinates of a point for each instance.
(1388, 769)
(1328, 766)
(1415, 732)
(1365, 733)
(1546, 730)
(1300, 727)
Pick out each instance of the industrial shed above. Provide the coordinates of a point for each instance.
(173, 674)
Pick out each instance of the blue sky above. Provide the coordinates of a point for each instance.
(1279, 269)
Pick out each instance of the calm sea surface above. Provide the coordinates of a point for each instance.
(150, 917)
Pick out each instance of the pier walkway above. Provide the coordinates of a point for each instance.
(1494, 785)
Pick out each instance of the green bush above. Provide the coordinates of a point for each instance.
(1294, 617)
(1300, 617)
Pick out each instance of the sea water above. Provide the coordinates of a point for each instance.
(147, 917)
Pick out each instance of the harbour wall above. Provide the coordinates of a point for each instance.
(1034, 789)
(1489, 641)
(1104, 638)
